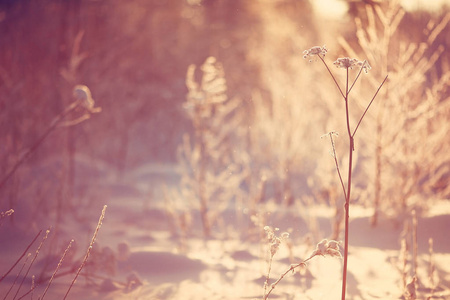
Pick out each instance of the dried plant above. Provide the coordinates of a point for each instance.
(83, 263)
(274, 245)
(32, 261)
(83, 102)
(178, 215)
(347, 64)
(17, 276)
(412, 271)
(323, 248)
(210, 167)
(23, 254)
(405, 165)
(56, 270)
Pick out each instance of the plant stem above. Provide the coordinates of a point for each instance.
(334, 79)
(40, 140)
(370, 103)
(291, 268)
(350, 159)
(23, 254)
(347, 198)
(337, 164)
(88, 252)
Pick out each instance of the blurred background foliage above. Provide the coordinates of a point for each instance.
(134, 56)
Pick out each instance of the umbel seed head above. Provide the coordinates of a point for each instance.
(349, 63)
(316, 50)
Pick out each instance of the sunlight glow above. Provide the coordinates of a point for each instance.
(336, 9)
(432, 5)
(333, 9)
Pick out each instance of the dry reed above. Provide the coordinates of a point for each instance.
(94, 237)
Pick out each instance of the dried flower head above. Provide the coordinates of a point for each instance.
(275, 240)
(83, 94)
(326, 247)
(316, 50)
(349, 63)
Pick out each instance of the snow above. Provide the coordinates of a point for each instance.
(136, 256)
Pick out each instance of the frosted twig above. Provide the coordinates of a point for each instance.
(56, 270)
(94, 237)
(32, 261)
(23, 254)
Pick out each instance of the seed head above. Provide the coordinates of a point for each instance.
(326, 247)
(349, 63)
(316, 50)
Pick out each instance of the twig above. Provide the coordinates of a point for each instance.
(332, 76)
(27, 293)
(32, 261)
(336, 162)
(94, 237)
(56, 270)
(266, 284)
(40, 140)
(23, 254)
(354, 81)
(367, 108)
(18, 274)
(291, 268)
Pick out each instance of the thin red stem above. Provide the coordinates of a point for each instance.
(347, 198)
(332, 76)
(370, 103)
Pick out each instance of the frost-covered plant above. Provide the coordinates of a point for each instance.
(210, 172)
(346, 64)
(30, 259)
(274, 244)
(29, 266)
(323, 248)
(88, 252)
(405, 168)
(83, 104)
(315, 51)
(409, 265)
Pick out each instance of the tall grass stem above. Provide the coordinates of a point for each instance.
(88, 252)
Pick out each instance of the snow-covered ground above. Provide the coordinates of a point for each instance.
(137, 257)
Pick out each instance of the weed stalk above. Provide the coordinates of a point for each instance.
(88, 252)
(23, 254)
(345, 63)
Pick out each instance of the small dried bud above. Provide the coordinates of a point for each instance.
(83, 94)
